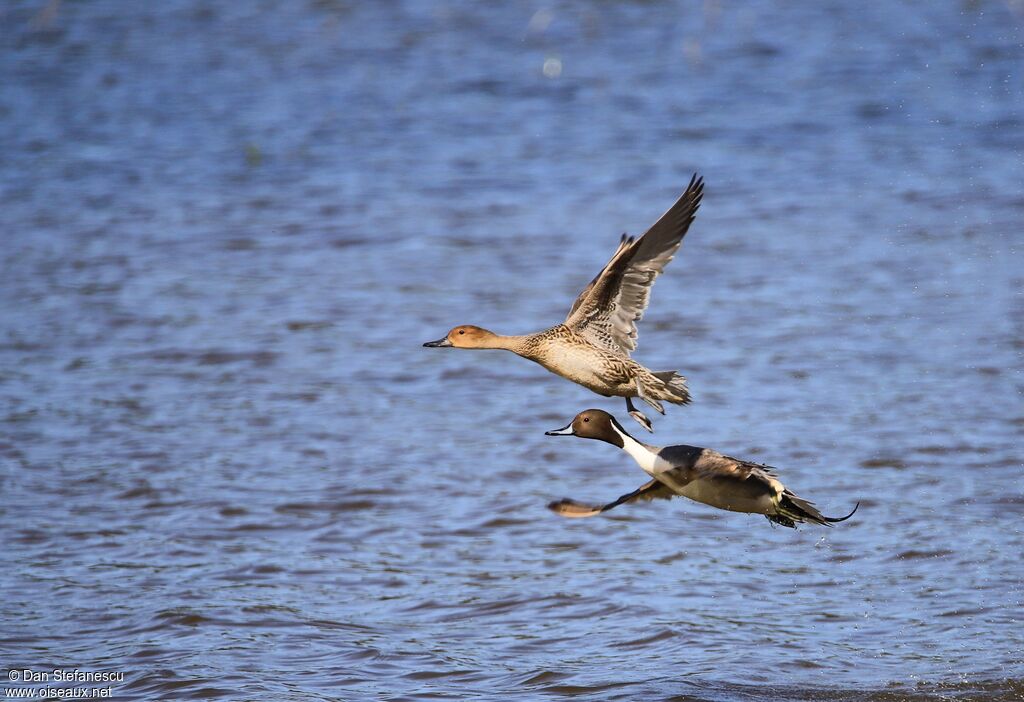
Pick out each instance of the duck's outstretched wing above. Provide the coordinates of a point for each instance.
(648, 491)
(607, 310)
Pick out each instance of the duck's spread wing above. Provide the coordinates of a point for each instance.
(607, 310)
(648, 491)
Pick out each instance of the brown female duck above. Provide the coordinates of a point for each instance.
(592, 346)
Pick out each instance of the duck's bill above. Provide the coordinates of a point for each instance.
(440, 343)
(564, 431)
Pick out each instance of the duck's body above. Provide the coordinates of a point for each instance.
(592, 346)
(709, 477)
(569, 354)
(700, 474)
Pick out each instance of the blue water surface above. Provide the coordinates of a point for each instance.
(229, 469)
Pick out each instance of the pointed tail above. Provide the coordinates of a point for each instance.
(794, 510)
(835, 520)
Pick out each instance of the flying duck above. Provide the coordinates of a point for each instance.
(698, 473)
(592, 346)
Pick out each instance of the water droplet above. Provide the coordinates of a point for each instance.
(552, 67)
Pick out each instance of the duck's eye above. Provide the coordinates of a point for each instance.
(586, 419)
(462, 331)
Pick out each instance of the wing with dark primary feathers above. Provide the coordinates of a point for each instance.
(607, 310)
(648, 491)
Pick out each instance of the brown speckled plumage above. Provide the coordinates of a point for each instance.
(592, 346)
(568, 353)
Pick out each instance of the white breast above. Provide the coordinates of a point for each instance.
(645, 457)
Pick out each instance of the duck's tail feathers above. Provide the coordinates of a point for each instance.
(673, 389)
(834, 520)
(793, 510)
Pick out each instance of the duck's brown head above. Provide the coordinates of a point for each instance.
(466, 336)
(593, 424)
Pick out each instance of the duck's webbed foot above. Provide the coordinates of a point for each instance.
(639, 416)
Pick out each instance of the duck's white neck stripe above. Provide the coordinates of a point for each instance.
(644, 456)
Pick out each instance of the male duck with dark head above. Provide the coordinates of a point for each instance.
(592, 346)
(698, 473)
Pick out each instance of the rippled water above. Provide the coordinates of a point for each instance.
(230, 470)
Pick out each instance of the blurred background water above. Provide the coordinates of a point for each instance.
(230, 470)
